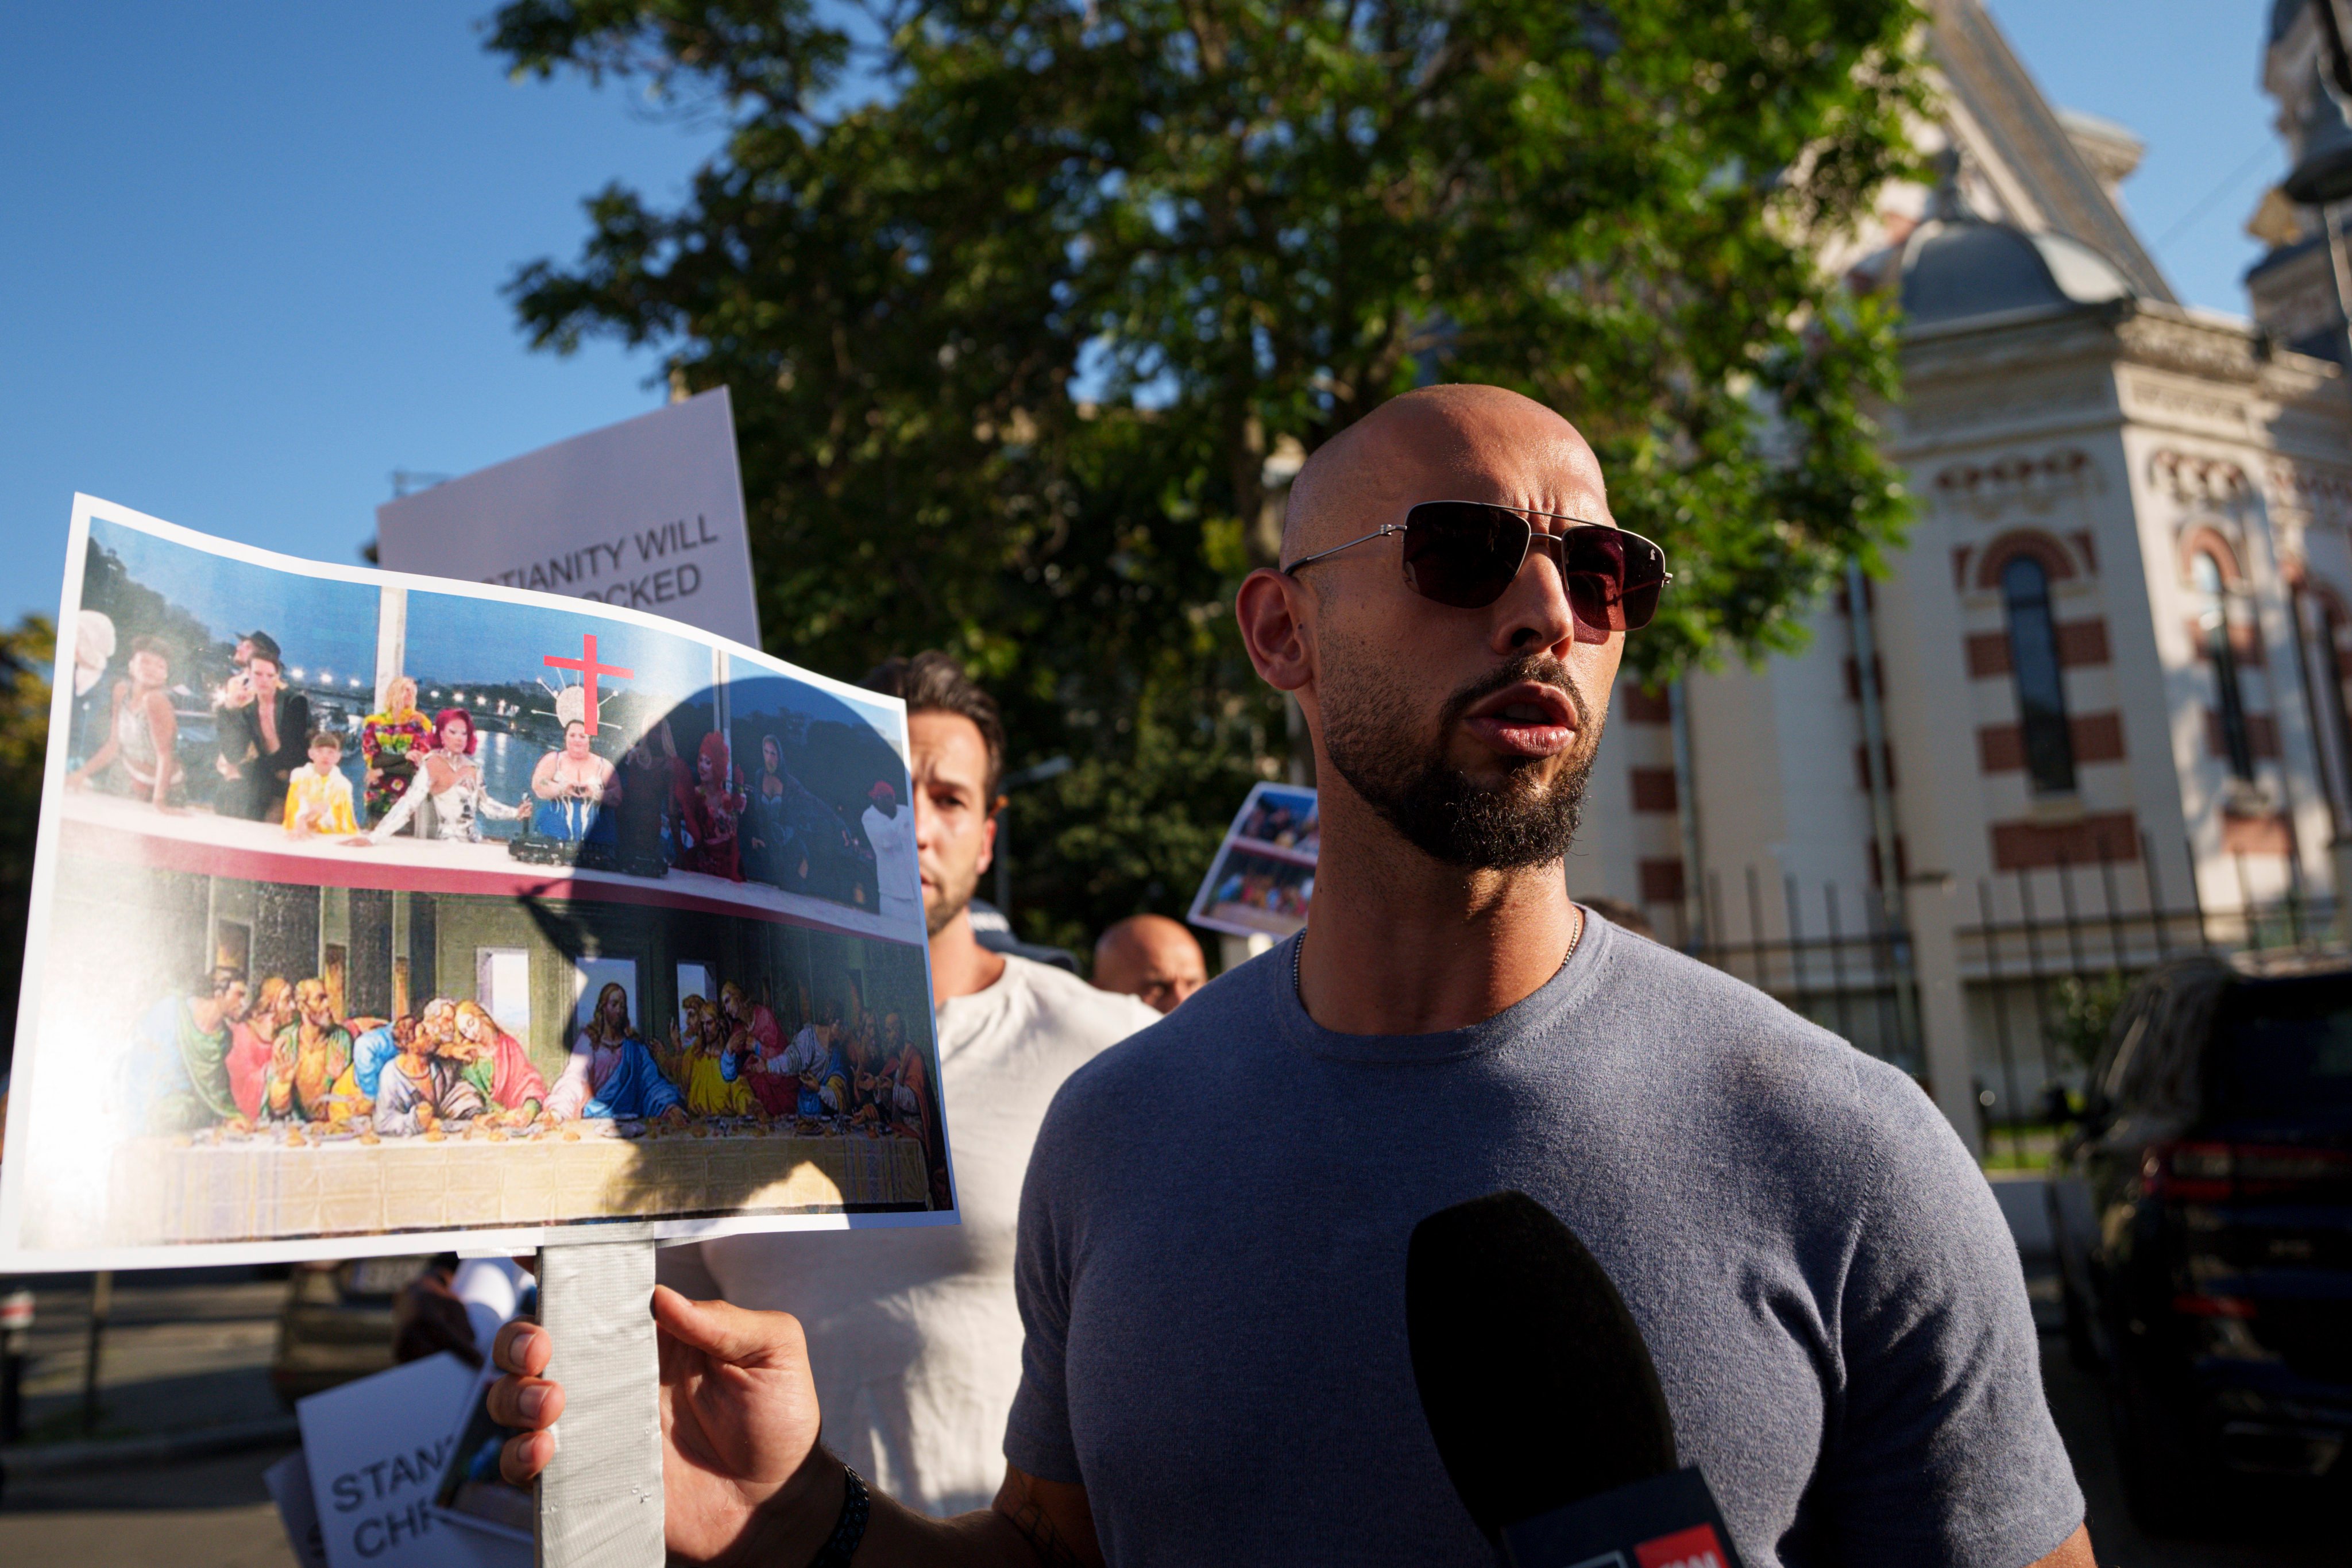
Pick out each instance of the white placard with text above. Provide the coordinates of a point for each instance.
(647, 514)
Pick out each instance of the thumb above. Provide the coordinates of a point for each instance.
(726, 1332)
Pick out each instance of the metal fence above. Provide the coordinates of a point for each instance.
(2049, 953)
(1826, 952)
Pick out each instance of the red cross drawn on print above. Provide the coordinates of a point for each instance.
(589, 670)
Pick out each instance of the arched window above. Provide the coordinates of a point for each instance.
(2214, 624)
(2040, 686)
(2335, 672)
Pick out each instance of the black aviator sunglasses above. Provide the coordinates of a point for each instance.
(1464, 553)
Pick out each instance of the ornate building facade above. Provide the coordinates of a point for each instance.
(2109, 677)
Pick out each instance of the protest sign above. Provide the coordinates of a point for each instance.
(376, 1451)
(289, 1481)
(647, 513)
(1263, 877)
(372, 913)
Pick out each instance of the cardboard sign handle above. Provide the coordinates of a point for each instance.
(599, 1500)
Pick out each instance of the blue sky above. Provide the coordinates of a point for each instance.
(323, 625)
(254, 257)
(2185, 76)
(255, 250)
(460, 639)
(758, 691)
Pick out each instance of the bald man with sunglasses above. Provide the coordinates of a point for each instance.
(1212, 1284)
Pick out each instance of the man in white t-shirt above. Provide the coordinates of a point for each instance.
(890, 834)
(913, 1333)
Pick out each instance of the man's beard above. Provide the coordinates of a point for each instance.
(952, 900)
(1375, 741)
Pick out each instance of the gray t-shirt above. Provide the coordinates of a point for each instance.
(1211, 1272)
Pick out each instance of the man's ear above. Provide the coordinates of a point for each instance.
(1267, 610)
(988, 835)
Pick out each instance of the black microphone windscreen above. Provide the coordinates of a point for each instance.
(1534, 1378)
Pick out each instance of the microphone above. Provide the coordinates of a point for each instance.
(1543, 1399)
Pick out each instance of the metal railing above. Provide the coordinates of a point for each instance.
(2051, 951)
(1823, 950)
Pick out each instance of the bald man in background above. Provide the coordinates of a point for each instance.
(1212, 1284)
(1151, 957)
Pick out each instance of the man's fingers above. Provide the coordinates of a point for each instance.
(523, 1346)
(521, 1459)
(528, 1402)
(728, 1332)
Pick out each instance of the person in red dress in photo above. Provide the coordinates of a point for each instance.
(712, 810)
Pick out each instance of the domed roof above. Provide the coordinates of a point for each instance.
(1959, 266)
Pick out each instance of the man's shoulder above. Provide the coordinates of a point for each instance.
(1707, 1014)
(1074, 1008)
(1719, 1040)
(1179, 1045)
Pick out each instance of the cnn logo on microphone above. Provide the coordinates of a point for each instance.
(1693, 1548)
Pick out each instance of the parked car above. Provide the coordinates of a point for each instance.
(2202, 1213)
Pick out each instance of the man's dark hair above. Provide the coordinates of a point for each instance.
(931, 682)
(221, 977)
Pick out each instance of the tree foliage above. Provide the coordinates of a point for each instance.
(26, 652)
(1023, 306)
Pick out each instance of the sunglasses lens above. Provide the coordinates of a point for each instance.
(1466, 553)
(1463, 554)
(1613, 577)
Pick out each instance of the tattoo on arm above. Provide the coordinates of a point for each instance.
(1038, 1530)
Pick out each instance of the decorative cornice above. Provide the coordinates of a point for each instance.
(1996, 406)
(2220, 409)
(2194, 477)
(2219, 352)
(2037, 483)
(2324, 495)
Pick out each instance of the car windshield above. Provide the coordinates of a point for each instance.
(2285, 1048)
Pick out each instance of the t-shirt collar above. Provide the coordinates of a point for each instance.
(1543, 1005)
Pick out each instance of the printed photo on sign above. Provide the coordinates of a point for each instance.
(472, 1493)
(1263, 877)
(232, 704)
(365, 909)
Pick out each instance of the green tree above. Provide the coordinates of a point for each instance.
(2084, 1012)
(1025, 307)
(26, 652)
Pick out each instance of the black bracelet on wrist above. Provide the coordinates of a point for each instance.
(849, 1529)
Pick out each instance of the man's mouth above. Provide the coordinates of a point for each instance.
(1530, 718)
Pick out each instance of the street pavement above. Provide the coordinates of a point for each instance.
(183, 1349)
(206, 1514)
(185, 1352)
(190, 1350)
(2293, 1530)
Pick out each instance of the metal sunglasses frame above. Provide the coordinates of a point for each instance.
(1558, 550)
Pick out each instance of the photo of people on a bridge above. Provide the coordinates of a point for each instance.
(357, 721)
